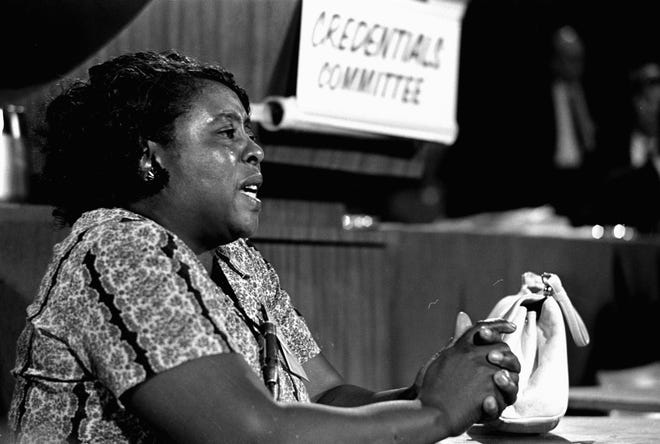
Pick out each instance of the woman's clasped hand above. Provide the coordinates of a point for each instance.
(474, 378)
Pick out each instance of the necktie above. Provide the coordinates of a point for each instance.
(582, 122)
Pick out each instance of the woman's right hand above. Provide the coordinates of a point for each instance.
(474, 378)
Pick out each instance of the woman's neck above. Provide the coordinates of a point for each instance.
(206, 258)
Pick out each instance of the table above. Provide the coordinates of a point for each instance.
(614, 398)
(577, 430)
(635, 389)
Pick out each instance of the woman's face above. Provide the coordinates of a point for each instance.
(214, 167)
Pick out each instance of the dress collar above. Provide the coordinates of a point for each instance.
(103, 215)
(235, 254)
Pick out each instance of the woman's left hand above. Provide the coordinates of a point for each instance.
(506, 379)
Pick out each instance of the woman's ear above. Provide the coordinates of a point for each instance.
(151, 153)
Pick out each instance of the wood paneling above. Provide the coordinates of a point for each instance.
(341, 289)
(26, 239)
(614, 285)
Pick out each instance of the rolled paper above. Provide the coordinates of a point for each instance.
(14, 160)
(278, 113)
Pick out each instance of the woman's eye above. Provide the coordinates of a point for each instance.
(230, 132)
(249, 132)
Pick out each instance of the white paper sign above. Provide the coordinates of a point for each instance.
(384, 66)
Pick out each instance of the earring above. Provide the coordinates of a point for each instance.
(148, 175)
(146, 170)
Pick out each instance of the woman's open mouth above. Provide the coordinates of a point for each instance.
(251, 191)
(250, 187)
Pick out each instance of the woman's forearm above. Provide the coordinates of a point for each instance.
(219, 398)
(347, 395)
(386, 422)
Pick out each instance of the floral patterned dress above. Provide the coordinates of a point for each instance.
(124, 299)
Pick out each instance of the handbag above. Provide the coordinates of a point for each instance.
(539, 311)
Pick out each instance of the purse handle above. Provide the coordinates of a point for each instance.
(536, 288)
(552, 287)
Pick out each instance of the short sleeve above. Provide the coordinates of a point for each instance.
(144, 313)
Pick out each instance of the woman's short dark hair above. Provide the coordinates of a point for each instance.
(96, 130)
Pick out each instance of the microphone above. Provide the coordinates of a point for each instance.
(270, 357)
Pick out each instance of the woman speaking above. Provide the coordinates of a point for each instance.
(157, 320)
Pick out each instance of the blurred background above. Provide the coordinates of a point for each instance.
(555, 168)
(557, 102)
